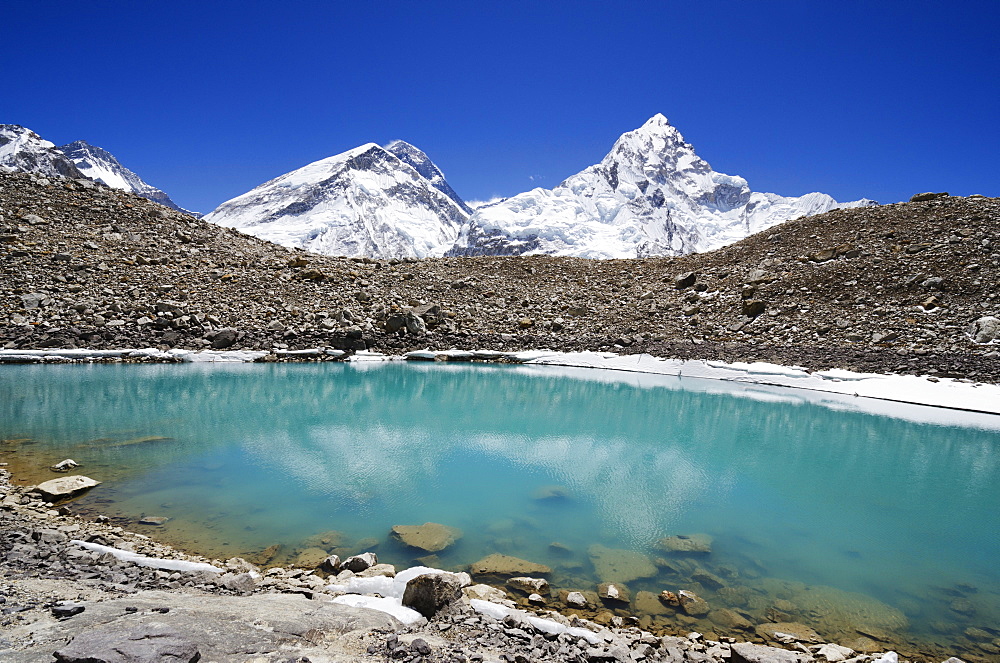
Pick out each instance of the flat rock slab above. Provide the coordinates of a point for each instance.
(429, 537)
(224, 629)
(745, 652)
(140, 644)
(621, 566)
(692, 544)
(506, 566)
(63, 487)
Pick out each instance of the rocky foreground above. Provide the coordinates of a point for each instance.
(63, 601)
(904, 288)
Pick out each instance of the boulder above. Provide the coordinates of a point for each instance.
(64, 487)
(575, 600)
(527, 585)
(118, 644)
(685, 280)
(310, 558)
(832, 653)
(429, 537)
(693, 544)
(922, 197)
(706, 579)
(693, 604)
(745, 652)
(507, 566)
(487, 593)
(331, 564)
(224, 338)
(610, 591)
(730, 620)
(429, 593)
(616, 565)
(65, 465)
(985, 330)
(359, 563)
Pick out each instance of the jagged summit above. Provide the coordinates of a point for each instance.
(650, 195)
(100, 165)
(21, 149)
(427, 168)
(366, 201)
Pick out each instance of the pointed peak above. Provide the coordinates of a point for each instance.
(658, 120)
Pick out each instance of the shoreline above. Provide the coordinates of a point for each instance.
(755, 381)
(131, 577)
(957, 394)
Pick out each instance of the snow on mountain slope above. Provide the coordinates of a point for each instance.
(427, 168)
(21, 149)
(99, 164)
(651, 195)
(363, 202)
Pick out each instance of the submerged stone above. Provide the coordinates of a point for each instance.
(507, 566)
(617, 565)
(429, 537)
(691, 544)
(550, 493)
(788, 632)
(310, 558)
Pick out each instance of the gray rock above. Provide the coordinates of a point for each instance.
(527, 585)
(224, 338)
(63, 487)
(922, 197)
(429, 593)
(685, 280)
(985, 329)
(141, 644)
(745, 652)
(415, 324)
(359, 563)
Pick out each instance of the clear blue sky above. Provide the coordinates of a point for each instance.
(208, 99)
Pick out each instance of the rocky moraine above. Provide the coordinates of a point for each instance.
(905, 288)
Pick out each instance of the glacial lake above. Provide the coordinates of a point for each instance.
(867, 528)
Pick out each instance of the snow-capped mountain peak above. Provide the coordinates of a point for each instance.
(650, 195)
(427, 168)
(100, 165)
(366, 201)
(21, 149)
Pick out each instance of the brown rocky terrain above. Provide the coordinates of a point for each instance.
(885, 289)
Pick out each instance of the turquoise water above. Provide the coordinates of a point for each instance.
(791, 491)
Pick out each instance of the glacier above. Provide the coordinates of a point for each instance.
(650, 196)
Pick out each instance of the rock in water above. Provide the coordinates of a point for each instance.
(614, 565)
(694, 544)
(788, 632)
(142, 644)
(64, 465)
(430, 537)
(64, 487)
(506, 566)
(429, 593)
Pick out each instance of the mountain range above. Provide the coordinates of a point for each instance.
(23, 150)
(651, 195)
